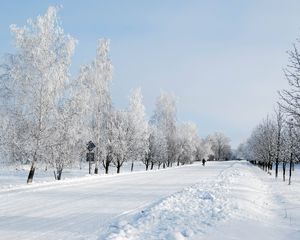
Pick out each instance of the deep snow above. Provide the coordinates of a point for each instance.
(224, 200)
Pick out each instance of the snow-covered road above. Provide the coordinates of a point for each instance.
(81, 208)
(242, 202)
(224, 200)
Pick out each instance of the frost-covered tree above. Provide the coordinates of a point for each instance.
(289, 98)
(220, 145)
(203, 149)
(187, 143)
(36, 76)
(164, 118)
(120, 140)
(262, 143)
(65, 137)
(279, 125)
(95, 80)
(291, 147)
(158, 146)
(285, 149)
(138, 128)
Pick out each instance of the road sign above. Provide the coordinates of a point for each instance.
(90, 146)
(90, 157)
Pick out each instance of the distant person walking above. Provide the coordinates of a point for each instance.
(203, 162)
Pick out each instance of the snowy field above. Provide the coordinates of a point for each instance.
(15, 177)
(224, 200)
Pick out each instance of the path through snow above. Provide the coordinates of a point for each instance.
(82, 208)
(241, 203)
(224, 200)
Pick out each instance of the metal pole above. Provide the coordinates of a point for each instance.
(90, 165)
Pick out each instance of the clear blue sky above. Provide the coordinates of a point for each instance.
(223, 59)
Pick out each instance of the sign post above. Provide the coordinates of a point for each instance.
(90, 156)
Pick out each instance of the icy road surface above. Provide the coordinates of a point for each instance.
(224, 200)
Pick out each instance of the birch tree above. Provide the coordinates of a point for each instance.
(65, 136)
(220, 145)
(120, 141)
(262, 143)
(164, 118)
(203, 149)
(138, 128)
(37, 74)
(187, 141)
(95, 80)
(158, 147)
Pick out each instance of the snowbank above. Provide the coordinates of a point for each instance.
(243, 202)
(185, 214)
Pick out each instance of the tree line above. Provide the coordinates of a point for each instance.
(48, 117)
(276, 139)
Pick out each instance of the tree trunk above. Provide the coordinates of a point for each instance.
(106, 166)
(283, 170)
(266, 167)
(31, 173)
(96, 165)
(290, 173)
(276, 168)
(178, 162)
(270, 166)
(131, 169)
(147, 165)
(59, 172)
(164, 165)
(118, 168)
(152, 164)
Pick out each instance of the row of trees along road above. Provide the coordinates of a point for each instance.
(276, 140)
(47, 116)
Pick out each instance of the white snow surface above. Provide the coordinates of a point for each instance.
(223, 200)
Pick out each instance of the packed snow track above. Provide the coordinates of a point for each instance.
(223, 200)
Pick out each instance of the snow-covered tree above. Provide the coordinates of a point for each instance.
(289, 98)
(279, 126)
(220, 145)
(95, 80)
(36, 76)
(138, 128)
(164, 118)
(65, 136)
(203, 149)
(262, 143)
(120, 141)
(187, 139)
(158, 146)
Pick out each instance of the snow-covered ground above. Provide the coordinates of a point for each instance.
(15, 177)
(224, 200)
(242, 202)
